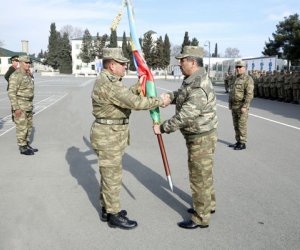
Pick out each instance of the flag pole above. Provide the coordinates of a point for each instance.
(165, 160)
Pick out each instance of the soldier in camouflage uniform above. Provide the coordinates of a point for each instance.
(197, 120)
(112, 104)
(21, 93)
(241, 94)
(296, 87)
(280, 86)
(288, 87)
(273, 88)
(266, 85)
(260, 84)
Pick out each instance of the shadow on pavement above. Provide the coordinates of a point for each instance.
(82, 170)
(157, 185)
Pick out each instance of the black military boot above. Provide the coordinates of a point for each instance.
(24, 150)
(233, 145)
(104, 214)
(120, 221)
(31, 148)
(241, 146)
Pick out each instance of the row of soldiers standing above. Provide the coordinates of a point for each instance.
(281, 86)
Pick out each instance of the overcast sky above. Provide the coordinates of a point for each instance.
(244, 25)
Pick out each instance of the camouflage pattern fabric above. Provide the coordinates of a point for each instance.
(197, 120)
(21, 93)
(201, 151)
(240, 96)
(112, 100)
(195, 106)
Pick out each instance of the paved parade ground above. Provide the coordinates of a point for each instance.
(49, 201)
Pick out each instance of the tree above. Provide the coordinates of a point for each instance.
(113, 39)
(125, 46)
(73, 32)
(175, 50)
(215, 54)
(100, 43)
(65, 55)
(194, 42)
(232, 52)
(286, 40)
(186, 40)
(52, 58)
(147, 48)
(167, 51)
(158, 54)
(87, 53)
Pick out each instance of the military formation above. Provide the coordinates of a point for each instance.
(283, 86)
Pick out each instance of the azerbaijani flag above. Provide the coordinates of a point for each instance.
(148, 85)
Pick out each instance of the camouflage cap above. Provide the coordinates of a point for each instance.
(15, 58)
(24, 59)
(115, 54)
(240, 64)
(193, 51)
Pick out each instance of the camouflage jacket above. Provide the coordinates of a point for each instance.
(195, 106)
(112, 100)
(21, 90)
(241, 92)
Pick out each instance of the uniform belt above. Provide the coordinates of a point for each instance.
(25, 98)
(112, 121)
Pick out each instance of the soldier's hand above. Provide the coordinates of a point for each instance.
(156, 129)
(18, 113)
(166, 99)
(244, 110)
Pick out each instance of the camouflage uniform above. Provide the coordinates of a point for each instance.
(266, 85)
(197, 120)
(287, 87)
(296, 87)
(260, 85)
(273, 88)
(226, 82)
(21, 93)
(112, 104)
(280, 86)
(241, 94)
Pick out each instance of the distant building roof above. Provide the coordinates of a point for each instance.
(9, 53)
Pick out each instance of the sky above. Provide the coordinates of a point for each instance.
(245, 25)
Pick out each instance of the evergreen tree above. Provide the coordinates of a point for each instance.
(130, 56)
(158, 55)
(87, 53)
(167, 51)
(52, 58)
(100, 44)
(186, 40)
(194, 42)
(147, 48)
(125, 46)
(215, 54)
(113, 40)
(286, 40)
(65, 57)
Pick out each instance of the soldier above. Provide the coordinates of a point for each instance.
(296, 87)
(273, 88)
(14, 65)
(287, 87)
(241, 94)
(21, 93)
(112, 104)
(226, 82)
(280, 85)
(255, 77)
(197, 120)
(266, 85)
(260, 84)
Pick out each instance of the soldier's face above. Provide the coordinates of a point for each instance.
(240, 69)
(186, 66)
(25, 65)
(118, 68)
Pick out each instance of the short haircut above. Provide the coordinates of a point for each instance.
(198, 60)
(106, 62)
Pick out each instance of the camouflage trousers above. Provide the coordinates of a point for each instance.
(23, 127)
(240, 124)
(201, 151)
(109, 143)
